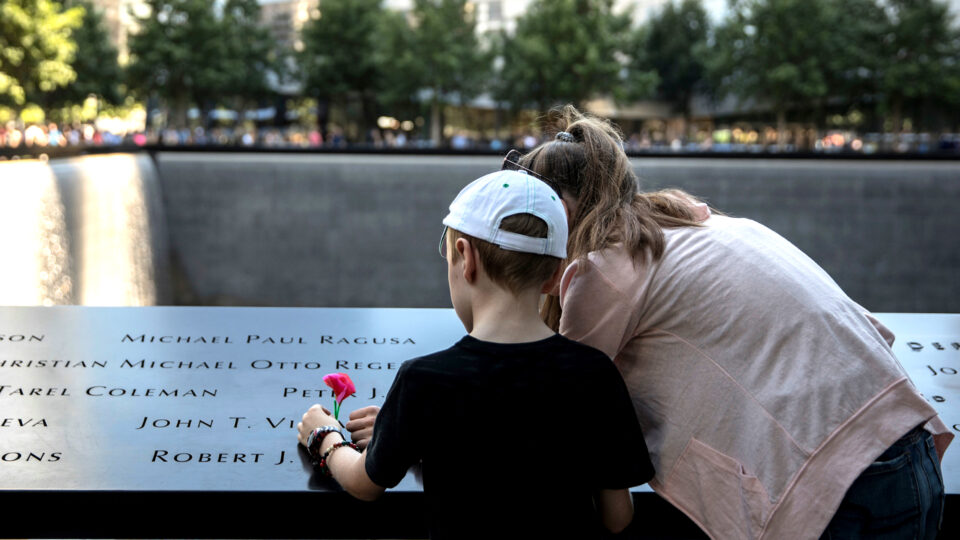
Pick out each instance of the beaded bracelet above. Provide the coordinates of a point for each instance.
(315, 440)
(326, 455)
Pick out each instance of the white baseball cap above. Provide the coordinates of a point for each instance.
(480, 208)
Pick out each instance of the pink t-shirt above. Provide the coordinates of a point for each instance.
(762, 389)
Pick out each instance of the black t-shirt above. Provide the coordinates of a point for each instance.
(514, 438)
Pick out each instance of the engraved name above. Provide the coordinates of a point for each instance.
(17, 338)
(165, 456)
(103, 391)
(23, 422)
(99, 391)
(12, 456)
(143, 338)
(178, 423)
(52, 363)
(317, 393)
(174, 364)
(6, 390)
(265, 340)
(917, 347)
(341, 365)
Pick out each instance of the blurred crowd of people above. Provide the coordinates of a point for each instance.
(50, 135)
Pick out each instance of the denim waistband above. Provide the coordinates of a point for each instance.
(911, 437)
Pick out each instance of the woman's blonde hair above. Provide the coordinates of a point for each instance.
(591, 166)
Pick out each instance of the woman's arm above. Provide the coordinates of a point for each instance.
(616, 508)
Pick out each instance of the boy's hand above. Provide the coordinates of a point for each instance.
(316, 416)
(360, 425)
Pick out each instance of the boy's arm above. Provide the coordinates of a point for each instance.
(347, 466)
(616, 508)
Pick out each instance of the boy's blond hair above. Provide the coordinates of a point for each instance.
(515, 271)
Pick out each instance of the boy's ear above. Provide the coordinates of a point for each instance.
(550, 287)
(470, 259)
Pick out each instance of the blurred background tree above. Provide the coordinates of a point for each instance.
(920, 67)
(672, 45)
(187, 54)
(856, 59)
(563, 51)
(339, 64)
(400, 70)
(772, 52)
(810, 68)
(249, 55)
(453, 66)
(36, 49)
(173, 58)
(98, 71)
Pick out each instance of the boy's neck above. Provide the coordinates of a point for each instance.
(501, 317)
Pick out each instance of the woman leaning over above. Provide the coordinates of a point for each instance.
(771, 402)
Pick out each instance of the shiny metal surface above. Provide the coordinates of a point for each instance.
(179, 398)
(191, 398)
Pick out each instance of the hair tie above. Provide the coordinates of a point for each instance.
(565, 137)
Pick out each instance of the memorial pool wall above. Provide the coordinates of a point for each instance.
(361, 230)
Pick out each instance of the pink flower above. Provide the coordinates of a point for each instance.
(342, 388)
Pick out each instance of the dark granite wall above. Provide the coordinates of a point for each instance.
(310, 230)
(888, 232)
(362, 230)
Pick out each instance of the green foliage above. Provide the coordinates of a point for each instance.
(249, 52)
(888, 55)
(401, 73)
(339, 62)
(773, 51)
(444, 56)
(339, 50)
(855, 54)
(173, 55)
(95, 63)
(564, 51)
(36, 48)
(186, 54)
(641, 79)
(445, 45)
(921, 52)
(671, 45)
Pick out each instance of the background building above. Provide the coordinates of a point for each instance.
(119, 20)
(285, 19)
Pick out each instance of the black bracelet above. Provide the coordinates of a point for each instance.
(315, 441)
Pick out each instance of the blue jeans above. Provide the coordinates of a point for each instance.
(899, 496)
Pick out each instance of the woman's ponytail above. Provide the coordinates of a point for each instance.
(596, 172)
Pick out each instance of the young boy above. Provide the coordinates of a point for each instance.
(522, 433)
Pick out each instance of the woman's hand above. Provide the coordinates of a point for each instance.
(315, 417)
(360, 425)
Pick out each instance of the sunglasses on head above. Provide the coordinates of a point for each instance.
(511, 162)
(443, 243)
